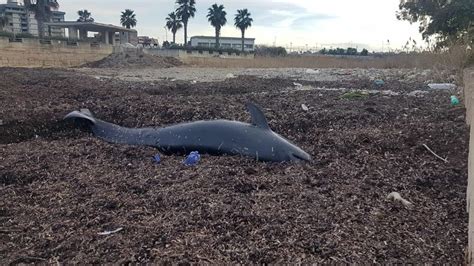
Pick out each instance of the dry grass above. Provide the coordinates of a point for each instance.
(452, 59)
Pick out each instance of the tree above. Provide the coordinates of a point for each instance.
(449, 21)
(185, 10)
(216, 16)
(127, 19)
(43, 11)
(84, 16)
(364, 52)
(243, 21)
(173, 23)
(351, 51)
(3, 22)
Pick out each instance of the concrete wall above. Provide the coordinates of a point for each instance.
(31, 53)
(469, 101)
(183, 54)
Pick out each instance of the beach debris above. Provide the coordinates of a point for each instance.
(106, 233)
(157, 158)
(312, 71)
(304, 107)
(395, 196)
(379, 82)
(297, 84)
(192, 159)
(442, 86)
(436, 155)
(454, 100)
(417, 93)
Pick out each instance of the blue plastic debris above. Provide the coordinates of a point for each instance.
(454, 100)
(157, 158)
(379, 82)
(192, 159)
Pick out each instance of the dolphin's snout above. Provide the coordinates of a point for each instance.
(302, 156)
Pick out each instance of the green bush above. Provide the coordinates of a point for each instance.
(263, 50)
(6, 34)
(26, 36)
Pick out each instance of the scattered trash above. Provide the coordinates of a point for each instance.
(397, 197)
(193, 82)
(417, 93)
(230, 76)
(297, 84)
(454, 100)
(106, 233)
(379, 82)
(311, 71)
(436, 155)
(304, 107)
(1, 122)
(192, 159)
(157, 158)
(442, 86)
(173, 80)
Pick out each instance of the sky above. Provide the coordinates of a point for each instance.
(368, 24)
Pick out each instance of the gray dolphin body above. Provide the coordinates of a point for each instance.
(216, 137)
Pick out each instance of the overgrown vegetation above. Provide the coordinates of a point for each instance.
(263, 50)
(341, 51)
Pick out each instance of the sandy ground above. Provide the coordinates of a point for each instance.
(60, 187)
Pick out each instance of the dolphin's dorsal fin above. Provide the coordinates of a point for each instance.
(258, 118)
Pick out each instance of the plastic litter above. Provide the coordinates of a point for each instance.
(230, 76)
(417, 93)
(454, 100)
(395, 196)
(379, 82)
(304, 107)
(297, 84)
(157, 158)
(442, 86)
(106, 233)
(311, 71)
(192, 159)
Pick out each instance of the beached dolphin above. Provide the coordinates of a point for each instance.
(214, 137)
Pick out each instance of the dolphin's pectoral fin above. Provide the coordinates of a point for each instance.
(258, 117)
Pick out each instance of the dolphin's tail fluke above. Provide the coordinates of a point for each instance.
(111, 132)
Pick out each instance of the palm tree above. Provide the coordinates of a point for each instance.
(173, 23)
(243, 21)
(84, 16)
(216, 16)
(128, 19)
(185, 10)
(3, 22)
(43, 11)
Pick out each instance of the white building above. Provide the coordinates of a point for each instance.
(22, 20)
(225, 42)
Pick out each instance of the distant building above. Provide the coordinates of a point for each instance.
(147, 41)
(22, 20)
(225, 42)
